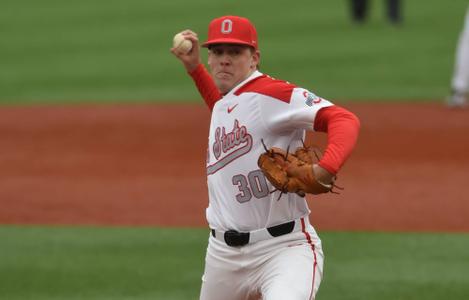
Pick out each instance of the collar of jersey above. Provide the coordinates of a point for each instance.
(254, 75)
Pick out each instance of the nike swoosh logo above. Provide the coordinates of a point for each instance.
(230, 109)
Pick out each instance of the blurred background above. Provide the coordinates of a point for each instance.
(95, 51)
(85, 90)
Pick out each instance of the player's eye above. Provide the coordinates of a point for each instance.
(216, 51)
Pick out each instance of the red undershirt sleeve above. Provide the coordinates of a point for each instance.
(342, 129)
(206, 86)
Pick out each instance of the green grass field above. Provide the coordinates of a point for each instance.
(108, 51)
(155, 263)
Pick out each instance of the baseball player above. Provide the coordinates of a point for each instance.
(261, 243)
(460, 81)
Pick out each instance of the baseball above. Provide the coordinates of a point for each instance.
(181, 45)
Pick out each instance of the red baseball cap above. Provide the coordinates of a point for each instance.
(231, 30)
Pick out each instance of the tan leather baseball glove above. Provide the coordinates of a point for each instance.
(292, 172)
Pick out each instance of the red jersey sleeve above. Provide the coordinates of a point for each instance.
(206, 86)
(342, 129)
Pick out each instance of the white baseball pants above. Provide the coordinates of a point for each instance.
(460, 81)
(284, 267)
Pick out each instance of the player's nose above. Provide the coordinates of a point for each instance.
(225, 59)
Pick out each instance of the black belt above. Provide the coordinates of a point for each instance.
(235, 238)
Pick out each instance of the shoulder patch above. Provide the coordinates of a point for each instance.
(311, 98)
(268, 86)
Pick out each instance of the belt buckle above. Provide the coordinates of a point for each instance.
(234, 238)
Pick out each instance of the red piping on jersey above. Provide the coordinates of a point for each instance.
(268, 86)
(265, 85)
(308, 238)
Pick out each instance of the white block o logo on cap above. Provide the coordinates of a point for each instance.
(227, 26)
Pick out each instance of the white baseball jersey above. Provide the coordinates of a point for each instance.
(259, 108)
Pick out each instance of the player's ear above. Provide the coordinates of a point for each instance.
(256, 59)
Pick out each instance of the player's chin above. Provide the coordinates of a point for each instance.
(224, 85)
(224, 88)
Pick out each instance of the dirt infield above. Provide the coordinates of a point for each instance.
(145, 165)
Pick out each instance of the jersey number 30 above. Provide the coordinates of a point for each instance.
(254, 185)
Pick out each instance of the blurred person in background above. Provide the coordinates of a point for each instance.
(359, 10)
(460, 79)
